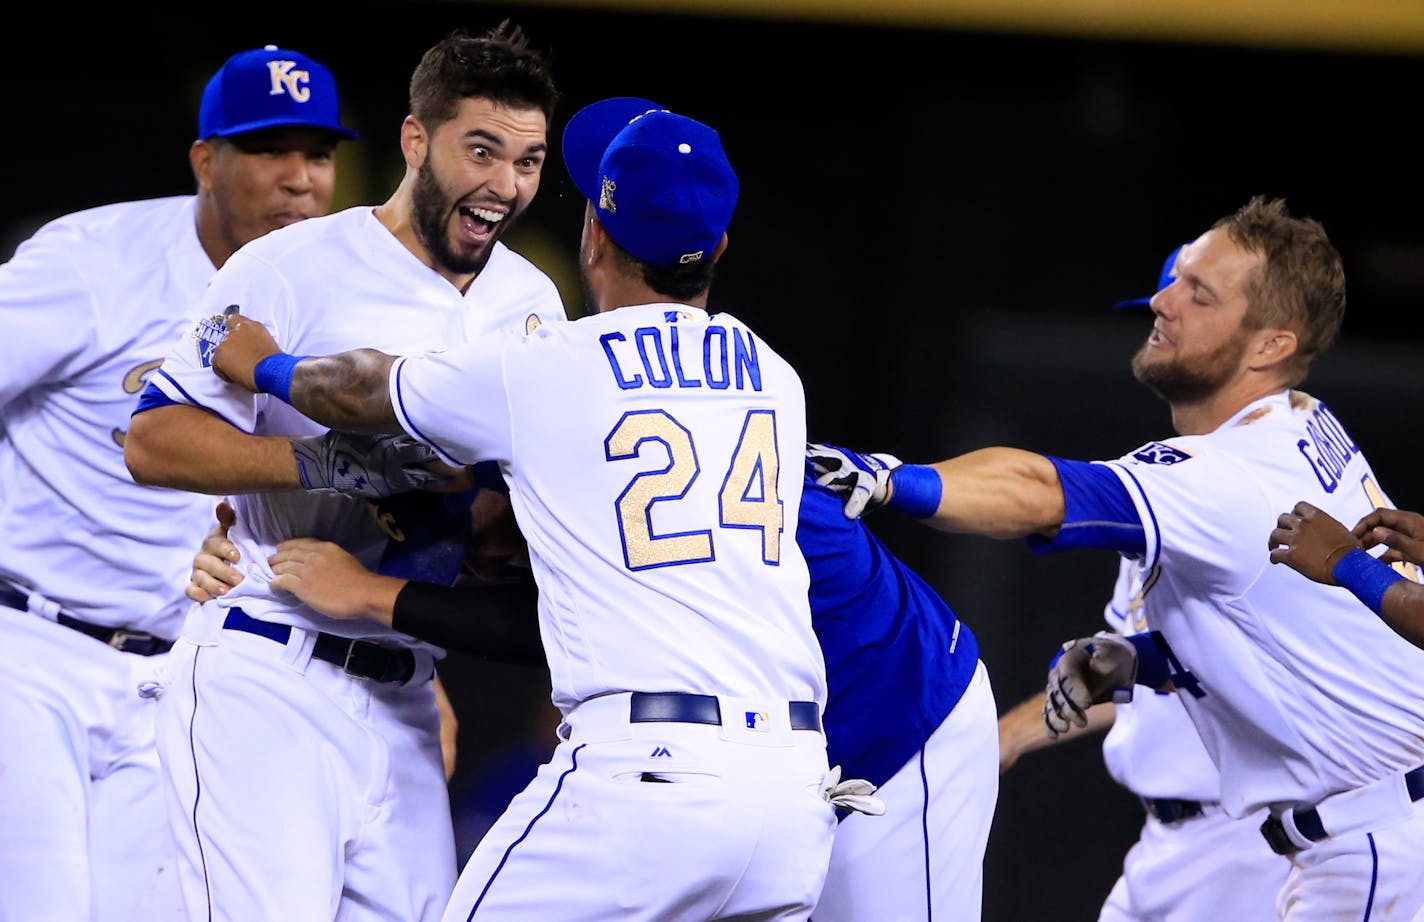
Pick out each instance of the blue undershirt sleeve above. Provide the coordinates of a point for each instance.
(1097, 512)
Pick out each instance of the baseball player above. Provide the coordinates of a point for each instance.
(1314, 544)
(657, 495)
(909, 705)
(91, 564)
(1302, 699)
(301, 754)
(1192, 861)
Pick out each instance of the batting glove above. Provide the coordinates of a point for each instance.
(861, 480)
(855, 794)
(373, 466)
(1088, 671)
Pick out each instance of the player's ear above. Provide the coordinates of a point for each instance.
(415, 142)
(200, 158)
(721, 247)
(1272, 347)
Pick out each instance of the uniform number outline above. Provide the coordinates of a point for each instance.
(748, 498)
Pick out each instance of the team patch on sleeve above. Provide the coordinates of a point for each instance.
(1160, 453)
(210, 332)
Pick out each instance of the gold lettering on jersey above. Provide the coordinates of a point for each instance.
(135, 380)
(642, 548)
(386, 522)
(605, 196)
(287, 80)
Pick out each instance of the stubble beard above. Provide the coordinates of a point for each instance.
(1179, 383)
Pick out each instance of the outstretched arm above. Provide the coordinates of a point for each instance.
(1316, 545)
(1022, 730)
(348, 391)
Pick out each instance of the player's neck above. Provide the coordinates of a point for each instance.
(397, 215)
(1207, 415)
(623, 292)
(210, 236)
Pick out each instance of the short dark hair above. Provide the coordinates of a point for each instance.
(680, 283)
(499, 65)
(1301, 283)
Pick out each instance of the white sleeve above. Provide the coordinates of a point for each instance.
(456, 402)
(1199, 510)
(48, 314)
(186, 375)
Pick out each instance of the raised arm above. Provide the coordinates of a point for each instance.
(349, 391)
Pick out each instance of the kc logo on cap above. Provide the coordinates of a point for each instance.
(269, 87)
(287, 79)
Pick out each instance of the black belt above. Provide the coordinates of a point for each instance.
(1308, 824)
(121, 639)
(1169, 810)
(680, 708)
(360, 658)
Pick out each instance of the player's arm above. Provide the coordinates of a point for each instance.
(349, 391)
(187, 448)
(1316, 545)
(995, 492)
(1022, 730)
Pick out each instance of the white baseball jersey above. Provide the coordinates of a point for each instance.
(89, 306)
(323, 286)
(1297, 690)
(654, 457)
(1153, 748)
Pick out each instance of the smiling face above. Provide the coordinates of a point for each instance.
(480, 172)
(1200, 338)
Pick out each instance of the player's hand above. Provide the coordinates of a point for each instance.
(213, 574)
(326, 577)
(1311, 542)
(1088, 671)
(861, 480)
(373, 466)
(1402, 534)
(247, 342)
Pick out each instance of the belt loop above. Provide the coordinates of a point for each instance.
(298, 653)
(42, 606)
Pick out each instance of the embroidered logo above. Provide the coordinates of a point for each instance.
(758, 720)
(287, 80)
(605, 196)
(1160, 453)
(661, 753)
(210, 332)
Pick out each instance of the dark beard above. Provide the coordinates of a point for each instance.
(432, 212)
(1176, 383)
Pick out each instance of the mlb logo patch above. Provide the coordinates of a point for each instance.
(758, 720)
(209, 333)
(1160, 453)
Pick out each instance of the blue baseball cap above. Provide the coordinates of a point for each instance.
(660, 182)
(269, 87)
(1165, 278)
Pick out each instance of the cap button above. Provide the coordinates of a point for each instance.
(269, 47)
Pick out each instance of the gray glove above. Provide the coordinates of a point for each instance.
(1088, 671)
(861, 480)
(373, 466)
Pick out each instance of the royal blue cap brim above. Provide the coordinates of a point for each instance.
(1134, 305)
(282, 122)
(589, 133)
(1164, 278)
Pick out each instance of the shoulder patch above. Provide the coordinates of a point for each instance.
(1160, 453)
(210, 332)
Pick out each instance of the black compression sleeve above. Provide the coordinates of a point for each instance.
(498, 622)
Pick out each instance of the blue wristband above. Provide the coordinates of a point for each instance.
(1152, 666)
(1366, 577)
(273, 375)
(915, 489)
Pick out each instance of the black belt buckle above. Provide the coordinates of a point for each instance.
(1276, 836)
(366, 660)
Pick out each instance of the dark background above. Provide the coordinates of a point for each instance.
(933, 226)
